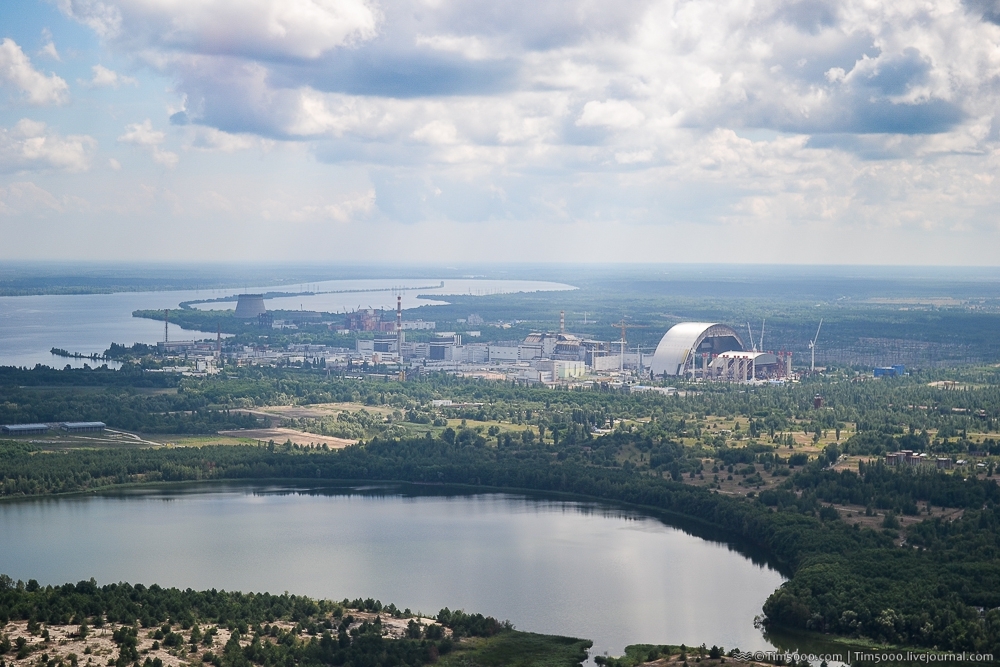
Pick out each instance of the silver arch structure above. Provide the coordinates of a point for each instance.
(678, 350)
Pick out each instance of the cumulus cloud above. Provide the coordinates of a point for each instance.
(106, 78)
(49, 48)
(799, 66)
(210, 139)
(16, 70)
(275, 28)
(31, 146)
(847, 112)
(617, 114)
(143, 135)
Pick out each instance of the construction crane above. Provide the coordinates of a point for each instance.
(812, 347)
(623, 325)
(759, 343)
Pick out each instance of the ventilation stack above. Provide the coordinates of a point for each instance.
(562, 321)
(399, 325)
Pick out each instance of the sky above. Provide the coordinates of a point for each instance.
(729, 131)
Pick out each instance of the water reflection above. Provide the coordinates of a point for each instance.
(549, 565)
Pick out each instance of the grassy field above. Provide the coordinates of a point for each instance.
(517, 649)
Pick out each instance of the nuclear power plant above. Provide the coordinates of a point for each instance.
(699, 351)
(707, 351)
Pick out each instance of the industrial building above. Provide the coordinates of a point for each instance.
(744, 366)
(83, 427)
(442, 346)
(25, 429)
(418, 325)
(368, 319)
(715, 351)
(250, 306)
(679, 349)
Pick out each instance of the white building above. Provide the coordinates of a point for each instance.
(418, 325)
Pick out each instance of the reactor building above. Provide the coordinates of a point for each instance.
(715, 351)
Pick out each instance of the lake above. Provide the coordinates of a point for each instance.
(30, 326)
(552, 566)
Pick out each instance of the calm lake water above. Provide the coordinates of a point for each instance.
(30, 326)
(549, 566)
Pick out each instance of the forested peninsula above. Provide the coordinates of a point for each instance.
(121, 624)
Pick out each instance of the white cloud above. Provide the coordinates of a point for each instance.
(633, 157)
(104, 77)
(617, 114)
(24, 197)
(31, 146)
(472, 47)
(436, 132)
(298, 28)
(142, 134)
(103, 18)
(359, 205)
(49, 49)
(16, 70)
(804, 115)
(210, 139)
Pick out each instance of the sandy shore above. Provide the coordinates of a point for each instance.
(64, 644)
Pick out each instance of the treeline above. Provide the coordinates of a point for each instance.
(201, 320)
(324, 632)
(129, 375)
(119, 408)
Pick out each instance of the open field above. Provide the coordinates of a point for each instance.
(319, 410)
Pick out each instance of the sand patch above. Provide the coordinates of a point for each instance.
(282, 435)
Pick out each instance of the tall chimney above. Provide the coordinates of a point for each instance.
(562, 321)
(399, 325)
(166, 323)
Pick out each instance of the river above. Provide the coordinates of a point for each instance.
(552, 566)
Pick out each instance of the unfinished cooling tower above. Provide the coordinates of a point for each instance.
(250, 306)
